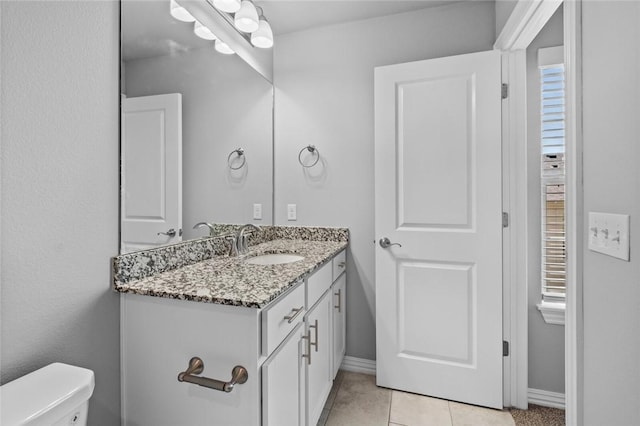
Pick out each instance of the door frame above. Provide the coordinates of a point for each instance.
(524, 23)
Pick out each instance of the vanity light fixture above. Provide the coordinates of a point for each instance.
(246, 19)
(223, 47)
(229, 6)
(179, 12)
(203, 32)
(263, 36)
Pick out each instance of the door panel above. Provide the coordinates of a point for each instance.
(454, 306)
(439, 195)
(435, 168)
(145, 132)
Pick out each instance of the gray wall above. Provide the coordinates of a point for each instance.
(546, 341)
(60, 192)
(611, 287)
(503, 11)
(324, 96)
(226, 104)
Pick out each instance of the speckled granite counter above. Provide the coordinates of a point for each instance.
(230, 280)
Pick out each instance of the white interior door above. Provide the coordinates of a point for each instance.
(439, 194)
(151, 204)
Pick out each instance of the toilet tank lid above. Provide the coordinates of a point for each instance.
(51, 391)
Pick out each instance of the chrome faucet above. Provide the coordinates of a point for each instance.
(233, 239)
(241, 237)
(203, 224)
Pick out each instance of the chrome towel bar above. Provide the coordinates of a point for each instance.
(239, 376)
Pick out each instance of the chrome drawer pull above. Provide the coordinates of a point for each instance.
(294, 313)
(315, 327)
(239, 376)
(308, 355)
(339, 305)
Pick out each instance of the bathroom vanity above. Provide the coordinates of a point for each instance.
(195, 310)
(284, 323)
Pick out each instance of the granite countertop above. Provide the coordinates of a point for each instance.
(231, 281)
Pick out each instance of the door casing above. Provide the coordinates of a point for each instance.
(524, 23)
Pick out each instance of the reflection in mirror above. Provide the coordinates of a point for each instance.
(196, 140)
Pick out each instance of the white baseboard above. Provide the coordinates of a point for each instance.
(358, 365)
(546, 398)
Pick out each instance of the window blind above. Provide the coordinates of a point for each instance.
(553, 182)
(552, 100)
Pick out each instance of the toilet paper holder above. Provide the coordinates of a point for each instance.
(239, 375)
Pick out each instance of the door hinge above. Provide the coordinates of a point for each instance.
(505, 348)
(505, 90)
(505, 219)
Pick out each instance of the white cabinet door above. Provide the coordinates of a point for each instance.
(281, 383)
(339, 296)
(318, 366)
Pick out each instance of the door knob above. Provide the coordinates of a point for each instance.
(386, 243)
(170, 233)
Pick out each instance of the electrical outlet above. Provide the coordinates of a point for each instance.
(292, 213)
(609, 234)
(257, 211)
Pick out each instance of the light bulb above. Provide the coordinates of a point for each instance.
(246, 19)
(263, 36)
(229, 6)
(203, 32)
(223, 47)
(179, 12)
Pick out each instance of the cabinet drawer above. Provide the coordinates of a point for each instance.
(318, 283)
(281, 318)
(339, 264)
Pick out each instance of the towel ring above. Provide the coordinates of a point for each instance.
(313, 150)
(240, 153)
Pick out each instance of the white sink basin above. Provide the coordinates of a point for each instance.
(274, 259)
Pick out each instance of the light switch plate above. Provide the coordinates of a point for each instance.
(292, 213)
(609, 234)
(257, 211)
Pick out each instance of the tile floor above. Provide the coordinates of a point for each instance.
(355, 400)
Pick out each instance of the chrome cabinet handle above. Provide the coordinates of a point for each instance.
(315, 329)
(339, 305)
(294, 313)
(386, 243)
(170, 233)
(342, 264)
(307, 337)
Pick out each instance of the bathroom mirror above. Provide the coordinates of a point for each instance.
(197, 136)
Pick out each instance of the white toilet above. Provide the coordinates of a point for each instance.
(55, 395)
